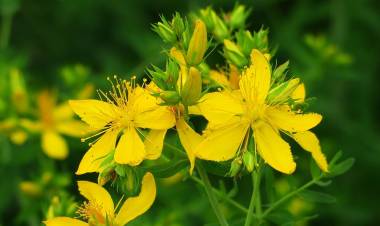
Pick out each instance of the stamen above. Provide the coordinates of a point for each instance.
(91, 211)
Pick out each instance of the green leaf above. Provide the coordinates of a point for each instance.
(315, 196)
(341, 168)
(168, 169)
(336, 157)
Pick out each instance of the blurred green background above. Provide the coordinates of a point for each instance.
(332, 45)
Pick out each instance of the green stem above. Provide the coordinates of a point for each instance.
(288, 196)
(254, 197)
(222, 196)
(212, 199)
(6, 26)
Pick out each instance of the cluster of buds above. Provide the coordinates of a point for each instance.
(181, 81)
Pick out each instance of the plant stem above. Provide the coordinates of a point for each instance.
(222, 196)
(288, 196)
(254, 198)
(212, 199)
(6, 26)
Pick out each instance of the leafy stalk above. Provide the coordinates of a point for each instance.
(255, 196)
(288, 196)
(212, 199)
(222, 196)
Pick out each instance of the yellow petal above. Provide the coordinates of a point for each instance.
(130, 149)
(97, 195)
(220, 107)
(72, 128)
(93, 158)
(308, 141)
(255, 81)
(135, 206)
(234, 77)
(160, 118)
(54, 145)
(222, 143)
(62, 112)
(64, 221)
(299, 93)
(290, 121)
(220, 79)
(273, 149)
(95, 113)
(189, 140)
(147, 113)
(154, 143)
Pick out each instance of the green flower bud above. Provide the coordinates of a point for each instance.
(128, 181)
(235, 167)
(198, 44)
(192, 88)
(220, 29)
(170, 97)
(165, 31)
(178, 24)
(245, 41)
(233, 53)
(238, 16)
(280, 72)
(282, 92)
(260, 40)
(205, 14)
(172, 73)
(249, 161)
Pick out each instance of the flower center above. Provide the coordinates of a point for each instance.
(255, 112)
(92, 213)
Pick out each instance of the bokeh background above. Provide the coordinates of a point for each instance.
(64, 45)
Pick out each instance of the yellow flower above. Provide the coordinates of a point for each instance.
(54, 120)
(100, 209)
(231, 114)
(126, 110)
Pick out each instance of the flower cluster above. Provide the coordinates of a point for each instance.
(249, 105)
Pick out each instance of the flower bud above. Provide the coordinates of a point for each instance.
(220, 29)
(235, 167)
(205, 14)
(178, 24)
(233, 53)
(192, 88)
(178, 56)
(198, 44)
(165, 31)
(282, 92)
(170, 97)
(238, 16)
(128, 180)
(249, 161)
(260, 40)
